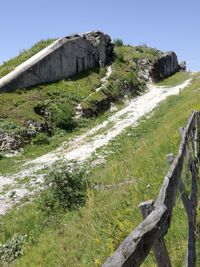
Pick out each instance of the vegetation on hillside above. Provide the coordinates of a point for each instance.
(51, 107)
(122, 82)
(134, 53)
(86, 237)
(176, 79)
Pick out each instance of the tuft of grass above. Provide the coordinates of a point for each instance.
(118, 42)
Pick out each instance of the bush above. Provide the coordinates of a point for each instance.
(12, 249)
(62, 116)
(118, 42)
(40, 139)
(66, 188)
(10, 127)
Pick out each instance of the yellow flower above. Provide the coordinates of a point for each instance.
(97, 262)
(97, 240)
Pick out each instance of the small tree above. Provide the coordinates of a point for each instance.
(118, 42)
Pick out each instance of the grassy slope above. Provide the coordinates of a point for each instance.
(17, 108)
(88, 236)
(176, 80)
(136, 52)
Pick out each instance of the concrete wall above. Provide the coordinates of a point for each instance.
(167, 64)
(62, 59)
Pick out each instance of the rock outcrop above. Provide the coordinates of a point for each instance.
(65, 57)
(9, 142)
(165, 65)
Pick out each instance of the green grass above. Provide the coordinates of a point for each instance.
(11, 64)
(18, 106)
(88, 236)
(175, 79)
(91, 101)
(136, 52)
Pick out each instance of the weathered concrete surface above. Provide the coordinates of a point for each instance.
(166, 65)
(65, 57)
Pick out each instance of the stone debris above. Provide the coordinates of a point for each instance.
(9, 142)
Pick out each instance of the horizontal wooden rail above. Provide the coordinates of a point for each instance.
(135, 248)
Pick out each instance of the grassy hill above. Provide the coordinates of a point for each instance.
(54, 104)
(87, 236)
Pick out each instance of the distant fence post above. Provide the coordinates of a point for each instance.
(159, 248)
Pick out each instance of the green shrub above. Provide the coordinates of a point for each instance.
(62, 116)
(10, 127)
(12, 249)
(66, 188)
(118, 42)
(40, 139)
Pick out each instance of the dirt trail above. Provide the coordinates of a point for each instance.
(81, 147)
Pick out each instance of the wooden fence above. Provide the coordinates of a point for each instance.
(157, 215)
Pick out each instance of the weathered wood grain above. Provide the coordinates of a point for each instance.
(159, 248)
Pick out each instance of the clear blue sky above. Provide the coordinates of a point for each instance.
(166, 25)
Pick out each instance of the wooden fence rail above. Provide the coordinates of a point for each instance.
(157, 215)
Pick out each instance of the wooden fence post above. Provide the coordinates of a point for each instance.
(191, 253)
(183, 193)
(159, 248)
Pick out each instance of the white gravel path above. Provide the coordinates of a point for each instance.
(81, 147)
